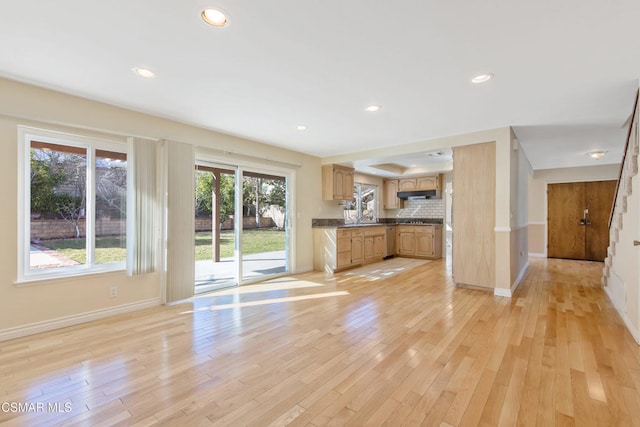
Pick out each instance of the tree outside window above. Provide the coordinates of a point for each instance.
(362, 208)
(74, 220)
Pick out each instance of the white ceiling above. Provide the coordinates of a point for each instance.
(565, 71)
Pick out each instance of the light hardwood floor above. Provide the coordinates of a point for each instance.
(358, 350)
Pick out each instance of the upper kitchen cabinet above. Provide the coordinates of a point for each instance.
(426, 182)
(430, 182)
(421, 183)
(390, 194)
(337, 182)
(407, 184)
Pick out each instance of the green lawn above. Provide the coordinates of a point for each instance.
(253, 242)
(108, 249)
(111, 249)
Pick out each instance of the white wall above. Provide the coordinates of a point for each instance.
(520, 172)
(623, 281)
(23, 305)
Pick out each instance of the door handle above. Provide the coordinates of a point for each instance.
(584, 220)
(636, 243)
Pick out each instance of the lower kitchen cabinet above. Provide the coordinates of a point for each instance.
(349, 248)
(338, 249)
(419, 241)
(374, 243)
(405, 240)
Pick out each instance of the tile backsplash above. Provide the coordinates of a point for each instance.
(430, 208)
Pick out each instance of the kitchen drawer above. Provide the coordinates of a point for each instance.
(342, 233)
(374, 231)
(358, 232)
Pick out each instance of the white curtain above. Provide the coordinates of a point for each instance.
(143, 220)
(179, 164)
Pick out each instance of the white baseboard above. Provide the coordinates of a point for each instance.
(537, 255)
(74, 319)
(632, 329)
(500, 292)
(508, 293)
(520, 277)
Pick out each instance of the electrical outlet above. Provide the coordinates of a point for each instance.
(114, 291)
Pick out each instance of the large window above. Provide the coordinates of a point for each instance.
(74, 205)
(362, 209)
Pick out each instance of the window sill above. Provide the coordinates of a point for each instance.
(71, 274)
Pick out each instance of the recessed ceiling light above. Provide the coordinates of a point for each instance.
(596, 154)
(143, 72)
(373, 108)
(302, 127)
(374, 173)
(215, 17)
(481, 78)
(412, 166)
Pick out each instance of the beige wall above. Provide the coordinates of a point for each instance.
(20, 104)
(538, 197)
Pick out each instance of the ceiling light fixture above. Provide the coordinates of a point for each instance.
(597, 155)
(215, 17)
(302, 127)
(143, 72)
(373, 108)
(481, 78)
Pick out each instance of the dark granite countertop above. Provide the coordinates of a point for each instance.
(339, 223)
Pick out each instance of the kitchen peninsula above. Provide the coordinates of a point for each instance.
(339, 246)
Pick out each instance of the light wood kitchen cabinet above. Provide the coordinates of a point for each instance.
(426, 182)
(357, 245)
(390, 194)
(336, 249)
(419, 241)
(337, 182)
(349, 248)
(374, 243)
(405, 240)
(408, 184)
(379, 245)
(424, 242)
(429, 182)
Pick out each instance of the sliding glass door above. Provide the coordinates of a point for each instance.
(264, 204)
(241, 226)
(215, 240)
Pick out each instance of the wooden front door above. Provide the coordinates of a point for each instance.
(578, 219)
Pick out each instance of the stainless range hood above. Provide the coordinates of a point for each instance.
(419, 195)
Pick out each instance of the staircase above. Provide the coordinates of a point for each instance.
(624, 190)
